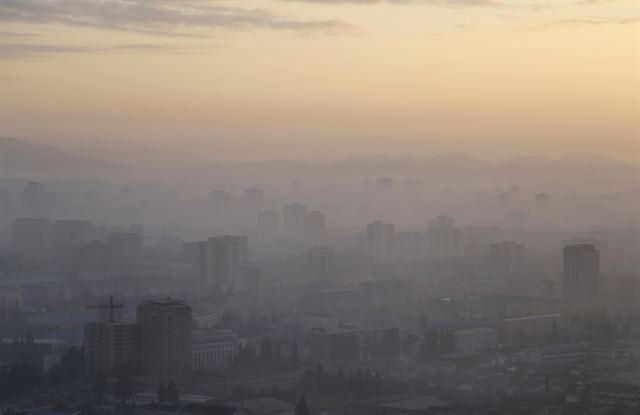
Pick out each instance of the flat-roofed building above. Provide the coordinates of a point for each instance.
(213, 350)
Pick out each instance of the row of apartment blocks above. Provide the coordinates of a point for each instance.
(158, 344)
(162, 344)
(76, 241)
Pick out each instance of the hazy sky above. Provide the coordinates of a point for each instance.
(250, 79)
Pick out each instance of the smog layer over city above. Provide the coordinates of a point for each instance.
(319, 207)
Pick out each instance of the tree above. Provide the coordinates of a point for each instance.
(173, 395)
(99, 386)
(301, 407)
(162, 392)
(122, 389)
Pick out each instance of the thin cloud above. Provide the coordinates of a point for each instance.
(35, 50)
(588, 22)
(447, 3)
(156, 17)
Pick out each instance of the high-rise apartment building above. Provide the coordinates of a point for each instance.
(380, 243)
(507, 259)
(69, 234)
(220, 256)
(166, 326)
(110, 346)
(32, 238)
(314, 226)
(293, 220)
(34, 198)
(126, 247)
(581, 266)
(321, 261)
(411, 246)
(443, 237)
(268, 223)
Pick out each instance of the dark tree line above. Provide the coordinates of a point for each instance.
(269, 353)
(18, 379)
(359, 384)
(69, 370)
(346, 347)
(121, 388)
(436, 342)
(168, 393)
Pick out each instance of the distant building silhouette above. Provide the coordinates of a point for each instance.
(381, 241)
(507, 259)
(443, 238)
(268, 222)
(581, 277)
(293, 220)
(320, 260)
(32, 238)
(126, 247)
(314, 227)
(219, 257)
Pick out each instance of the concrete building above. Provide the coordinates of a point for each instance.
(126, 247)
(314, 227)
(555, 355)
(293, 220)
(531, 330)
(34, 198)
(264, 406)
(257, 380)
(95, 255)
(69, 234)
(380, 243)
(320, 260)
(443, 238)
(166, 326)
(32, 238)
(213, 350)
(11, 298)
(411, 246)
(110, 346)
(220, 257)
(254, 196)
(507, 259)
(268, 222)
(469, 340)
(581, 278)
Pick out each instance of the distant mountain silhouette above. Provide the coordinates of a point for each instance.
(18, 157)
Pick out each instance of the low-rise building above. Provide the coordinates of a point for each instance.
(11, 298)
(264, 406)
(476, 338)
(555, 355)
(213, 350)
(530, 330)
(258, 380)
(611, 352)
(430, 404)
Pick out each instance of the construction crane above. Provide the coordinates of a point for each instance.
(111, 307)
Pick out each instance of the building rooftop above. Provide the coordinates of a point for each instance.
(534, 317)
(477, 330)
(417, 404)
(262, 405)
(167, 301)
